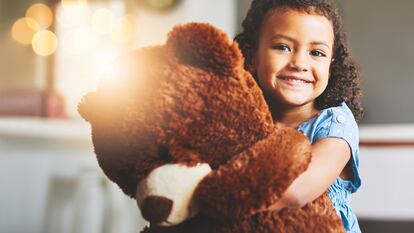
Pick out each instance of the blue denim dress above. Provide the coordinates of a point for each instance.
(339, 122)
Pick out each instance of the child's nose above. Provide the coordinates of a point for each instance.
(299, 62)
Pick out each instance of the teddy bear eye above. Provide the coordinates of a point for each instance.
(164, 153)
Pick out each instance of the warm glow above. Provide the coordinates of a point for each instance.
(76, 41)
(124, 29)
(71, 3)
(102, 21)
(74, 13)
(104, 66)
(44, 43)
(24, 29)
(41, 14)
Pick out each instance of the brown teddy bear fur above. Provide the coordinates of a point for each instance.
(191, 101)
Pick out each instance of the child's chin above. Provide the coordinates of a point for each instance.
(295, 100)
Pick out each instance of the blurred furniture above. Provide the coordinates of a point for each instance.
(51, 182)
(384, 202)
(31, 102)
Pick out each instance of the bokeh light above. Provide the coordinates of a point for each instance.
(44, 43)
(41, 13)
(123, 29)
(24, 29)
(102, 21)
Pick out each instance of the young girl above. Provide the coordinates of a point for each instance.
(297, 52)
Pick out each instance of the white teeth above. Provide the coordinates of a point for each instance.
(295, 80)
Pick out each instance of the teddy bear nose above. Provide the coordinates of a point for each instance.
(156, 209)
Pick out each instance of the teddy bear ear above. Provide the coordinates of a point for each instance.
(85, 107)
(203, 45)
(103, 104)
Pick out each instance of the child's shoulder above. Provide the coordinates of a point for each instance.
(339, 114)
(332, 121)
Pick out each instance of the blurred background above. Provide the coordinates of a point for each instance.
(54, 51)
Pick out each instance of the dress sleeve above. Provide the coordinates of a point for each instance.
(340, 123)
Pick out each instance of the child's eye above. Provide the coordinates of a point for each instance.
(317, 53)
(281, 47)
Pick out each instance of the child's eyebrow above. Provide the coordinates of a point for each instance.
(278, 36)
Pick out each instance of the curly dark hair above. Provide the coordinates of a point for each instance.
(344, 81)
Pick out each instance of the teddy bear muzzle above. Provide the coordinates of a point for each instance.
(165, 196)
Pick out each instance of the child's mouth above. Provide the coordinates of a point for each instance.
(294, 81)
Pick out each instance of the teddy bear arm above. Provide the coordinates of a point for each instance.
(123, 168)
(119, 173)
(256, 177)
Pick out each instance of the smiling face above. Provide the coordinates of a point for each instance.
(293, 56)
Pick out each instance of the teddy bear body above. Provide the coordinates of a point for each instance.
(191, 102)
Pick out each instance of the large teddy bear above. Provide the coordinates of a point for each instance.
(184, 129)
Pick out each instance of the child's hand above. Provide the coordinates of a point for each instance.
(277, 206)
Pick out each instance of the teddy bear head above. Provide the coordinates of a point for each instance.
(188, 102)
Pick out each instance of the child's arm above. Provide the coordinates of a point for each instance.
(329, 157)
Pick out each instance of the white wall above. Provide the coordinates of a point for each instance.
(381, 34)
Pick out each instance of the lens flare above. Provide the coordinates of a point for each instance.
(73, 13)
(102, 21)
(41, 13)
(44, 43)
(77, 41)
(124, 29)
